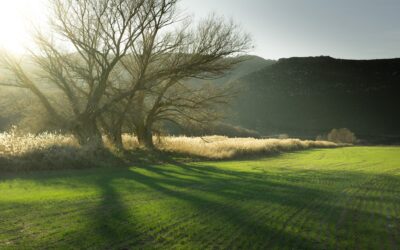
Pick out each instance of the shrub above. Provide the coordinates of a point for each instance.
(322, 138)
(342, 135)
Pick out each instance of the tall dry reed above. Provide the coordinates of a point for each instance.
(220, 147)
(57, 151)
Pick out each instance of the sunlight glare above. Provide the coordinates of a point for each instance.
(16, 18)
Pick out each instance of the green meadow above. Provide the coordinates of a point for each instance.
(344, 198)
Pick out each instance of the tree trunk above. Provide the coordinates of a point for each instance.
(115, 137)
(112, 127)
(145, 136)
(88, 134)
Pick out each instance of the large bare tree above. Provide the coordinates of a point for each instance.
(88, 38)
(119, 62)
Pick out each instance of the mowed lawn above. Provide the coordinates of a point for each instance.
(346, 198)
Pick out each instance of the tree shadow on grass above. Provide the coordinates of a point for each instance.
(224, 198)
(197, 206)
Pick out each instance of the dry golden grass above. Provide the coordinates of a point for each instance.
(221, 147)
(47, 151)
(13, 143)
(57, 151)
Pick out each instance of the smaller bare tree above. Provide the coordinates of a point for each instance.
(172, 58)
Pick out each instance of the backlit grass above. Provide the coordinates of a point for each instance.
(319, 199)
(50, 151)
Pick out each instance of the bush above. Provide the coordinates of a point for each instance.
(342, 135)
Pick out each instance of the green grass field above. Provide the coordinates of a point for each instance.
(346, 198)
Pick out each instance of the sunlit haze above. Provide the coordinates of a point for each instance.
(347, 29)
(17, 18)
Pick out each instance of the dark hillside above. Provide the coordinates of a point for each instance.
(309, 96)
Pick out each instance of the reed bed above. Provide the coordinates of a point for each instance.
(58, 151)
(223, 148)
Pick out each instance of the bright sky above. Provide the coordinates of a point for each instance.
(280, 28)
(340, 28)
(17, 18)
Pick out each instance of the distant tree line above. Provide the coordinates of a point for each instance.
(122, 65)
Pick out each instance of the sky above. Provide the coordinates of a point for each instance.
(357, 29)
(17, 19)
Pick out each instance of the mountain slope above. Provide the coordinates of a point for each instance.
(309, 96)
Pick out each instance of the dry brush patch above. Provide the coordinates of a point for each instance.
(221, 147)
(58, 151)
(47, 151)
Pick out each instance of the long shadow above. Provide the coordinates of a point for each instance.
(246, 187)
(221, 198)
(223, 211)
(111, 220)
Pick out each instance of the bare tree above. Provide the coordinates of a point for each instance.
(127, 62)
(137, 65)
(163, 61)
(96, 35)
